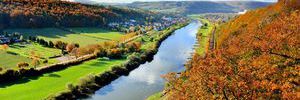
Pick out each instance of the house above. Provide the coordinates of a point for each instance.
(4, 40)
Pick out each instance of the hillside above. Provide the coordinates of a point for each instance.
(197, 7)
(52, 13)
(257, 58)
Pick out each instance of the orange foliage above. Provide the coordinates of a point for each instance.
(257, 58)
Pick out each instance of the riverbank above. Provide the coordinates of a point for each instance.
(203, 45)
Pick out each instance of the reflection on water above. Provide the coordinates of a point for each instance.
(146, 80)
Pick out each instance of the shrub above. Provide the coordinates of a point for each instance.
(70, 87)
(22, 65)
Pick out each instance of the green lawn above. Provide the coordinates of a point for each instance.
(83, 36)
(17, 53)
(8, 60)
(26, 49)
(156, 96)
(40, 87)
(98, 33)
(203, 40)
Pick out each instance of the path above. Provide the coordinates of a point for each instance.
(212, 41)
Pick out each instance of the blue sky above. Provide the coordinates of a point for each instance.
(128, 1)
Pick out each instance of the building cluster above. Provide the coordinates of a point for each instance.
(6, 38)
(133, 25)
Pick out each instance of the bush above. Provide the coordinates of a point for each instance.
(22, 65)
(120, 70)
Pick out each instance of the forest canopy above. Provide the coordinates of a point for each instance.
(54, 13)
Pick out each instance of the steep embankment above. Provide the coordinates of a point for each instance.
(257, 57)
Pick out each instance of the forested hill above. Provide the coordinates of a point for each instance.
(51, 13)
(257, 58)
(197, 7)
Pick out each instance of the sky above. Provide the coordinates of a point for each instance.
(129, 1)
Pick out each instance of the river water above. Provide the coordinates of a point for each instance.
(146, 79)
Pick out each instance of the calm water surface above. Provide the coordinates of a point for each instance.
(146, 80)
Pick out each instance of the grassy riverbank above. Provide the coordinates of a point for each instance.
(203, 36)
(37, 88)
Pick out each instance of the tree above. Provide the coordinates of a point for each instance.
(35, 59)
(70, 47)
(35, 62)
(51, 44)
(74, 52)
(4, 47)
(23, 65)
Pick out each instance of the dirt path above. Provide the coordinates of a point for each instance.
(212, 40)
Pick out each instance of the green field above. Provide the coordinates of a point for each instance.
(203, 40)
(37, 88)
(156, 96)
(8, 60)
(83, 36)
(17, 53)
(26, 49)
(98, 33)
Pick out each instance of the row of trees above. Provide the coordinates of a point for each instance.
(258, 58)
(57, 44)
(107, 49)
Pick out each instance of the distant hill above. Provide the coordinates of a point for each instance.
(197, 7)
(53, 13)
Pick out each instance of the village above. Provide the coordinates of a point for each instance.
(6, 38)
(133, 25)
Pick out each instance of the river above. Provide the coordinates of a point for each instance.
(146, 79)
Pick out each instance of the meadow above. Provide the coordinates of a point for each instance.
(37, 88)
(21, 52)
(26, 50)
(82, 36)
(204, 36)
(8, 60)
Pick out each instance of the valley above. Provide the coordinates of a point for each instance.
(149, 50)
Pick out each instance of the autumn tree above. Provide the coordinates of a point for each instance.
(35, 59)
(4, 47)
(70, 47)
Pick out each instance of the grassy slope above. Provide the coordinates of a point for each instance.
(203, 40)
(10, 61)
(22, 53)
(84, 37)
(25, 50)
(156, 96)
(41, 87)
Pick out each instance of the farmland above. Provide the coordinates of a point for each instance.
(18, 52)
(83, 36)
(34, 88)
(8, 60)
(26, 50)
